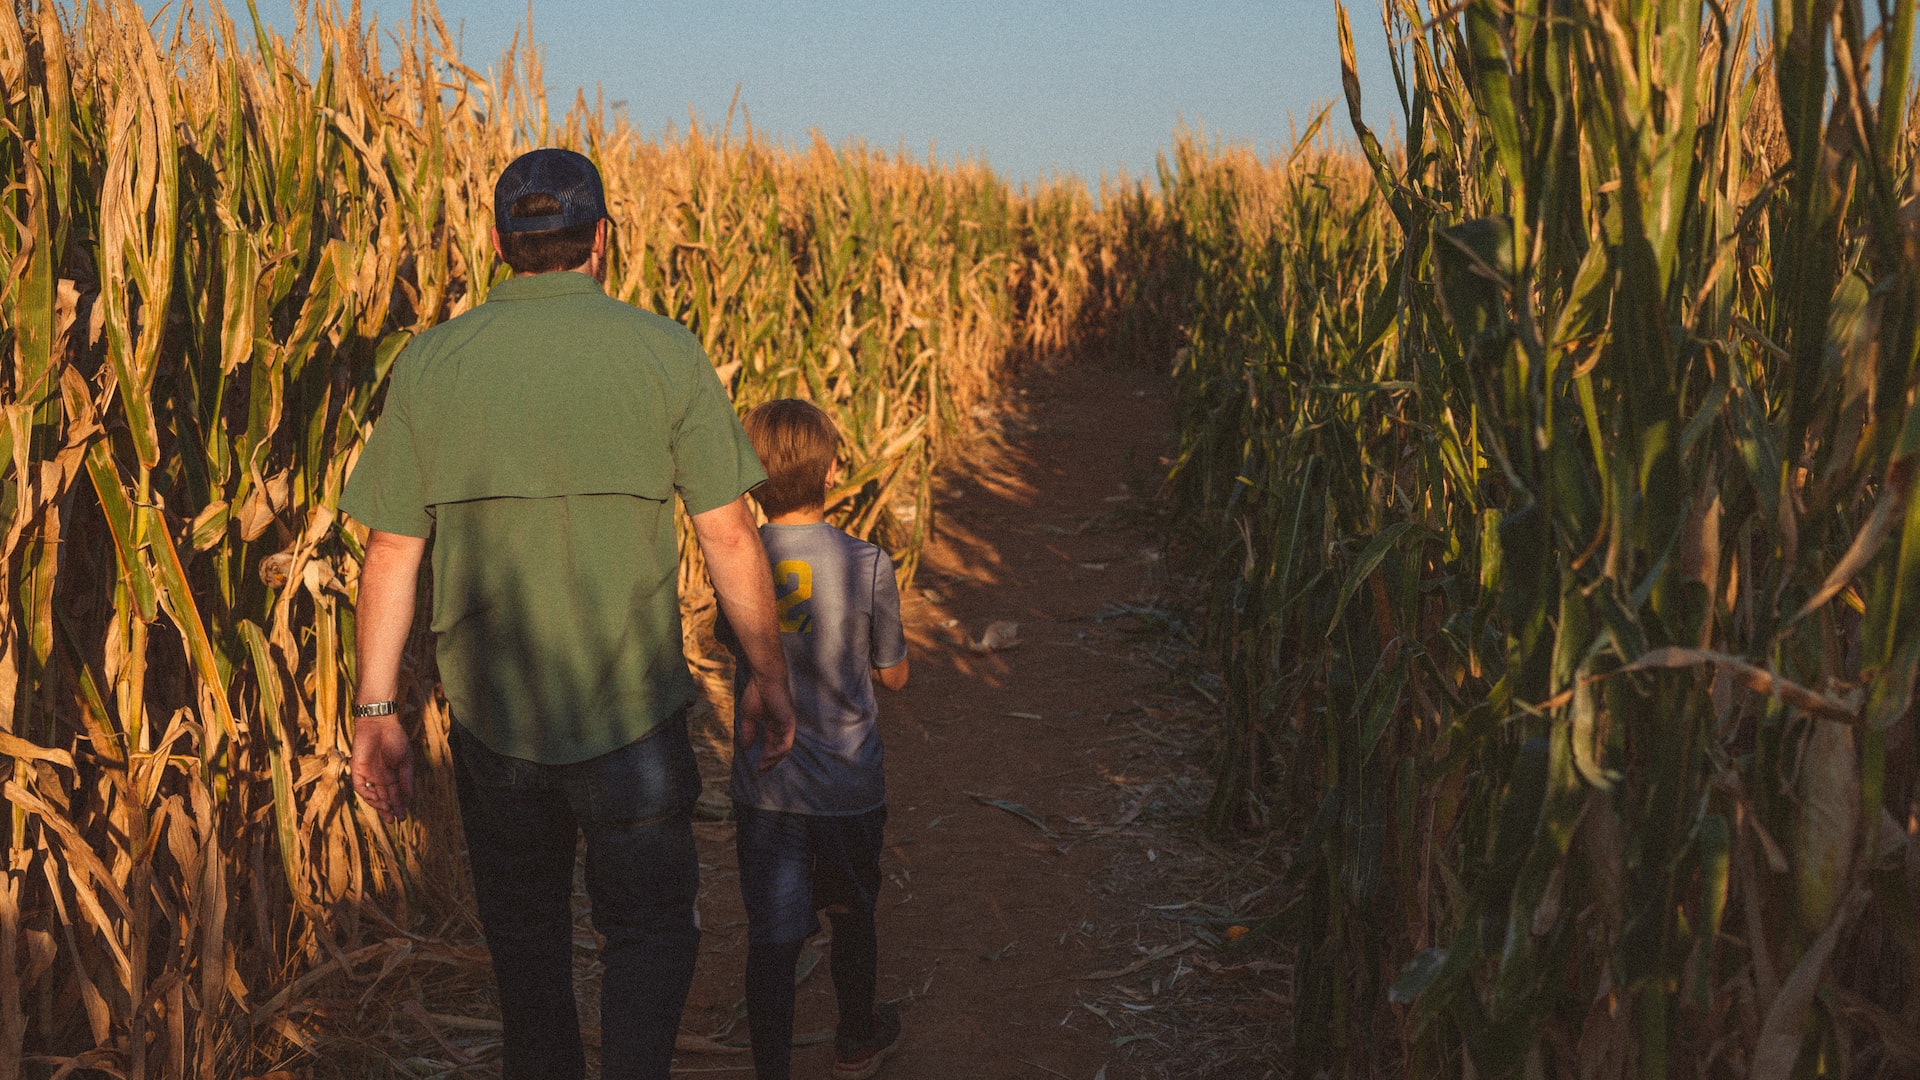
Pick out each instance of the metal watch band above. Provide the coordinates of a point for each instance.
(375, 708)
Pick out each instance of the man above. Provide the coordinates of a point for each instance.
(539, 441)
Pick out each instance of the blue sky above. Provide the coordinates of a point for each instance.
(1032, 87)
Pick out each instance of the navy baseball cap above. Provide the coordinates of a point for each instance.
(569, 177)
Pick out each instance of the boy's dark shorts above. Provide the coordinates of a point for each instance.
(794, 865)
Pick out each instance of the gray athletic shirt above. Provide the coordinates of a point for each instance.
(839, 612)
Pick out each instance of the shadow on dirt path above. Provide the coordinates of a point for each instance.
(1038, 918)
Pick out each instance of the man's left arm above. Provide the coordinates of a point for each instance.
(743, 581)
(382, 755)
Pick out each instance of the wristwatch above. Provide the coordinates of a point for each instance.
(375, 708)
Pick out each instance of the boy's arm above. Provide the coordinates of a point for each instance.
(744, 584)
(893, 678)
(889, 636)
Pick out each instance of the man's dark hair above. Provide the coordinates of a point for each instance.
(545, 252)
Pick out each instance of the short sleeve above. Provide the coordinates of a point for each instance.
(889, 637)
(387, 490)
(713, 461)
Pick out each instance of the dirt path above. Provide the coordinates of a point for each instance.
(1015, 869)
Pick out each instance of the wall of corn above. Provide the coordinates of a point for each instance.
(216, 244)
(1573, 615)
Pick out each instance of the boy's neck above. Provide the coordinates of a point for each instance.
(812, 515)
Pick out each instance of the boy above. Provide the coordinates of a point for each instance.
(809, 829)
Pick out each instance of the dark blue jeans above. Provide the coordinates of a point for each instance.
(791, 866)
(523, 821)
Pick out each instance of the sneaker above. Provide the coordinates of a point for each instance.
(857, 1059)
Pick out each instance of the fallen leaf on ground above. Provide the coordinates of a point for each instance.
(420, 1016)
(999, 637)
(1014, 808)
(1160, 953)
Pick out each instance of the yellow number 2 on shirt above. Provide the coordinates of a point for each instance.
(798, 577)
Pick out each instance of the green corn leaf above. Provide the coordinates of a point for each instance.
(1369, 561)
(1418, 974)
(122, 518)
(176, 596)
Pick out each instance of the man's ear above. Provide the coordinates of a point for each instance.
(597, 261)
(495, 233)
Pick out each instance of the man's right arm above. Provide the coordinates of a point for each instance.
(743, 581)
(382, 768)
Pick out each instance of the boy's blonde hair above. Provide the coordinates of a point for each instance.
(797, 444)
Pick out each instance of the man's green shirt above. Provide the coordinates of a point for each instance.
(539, 440)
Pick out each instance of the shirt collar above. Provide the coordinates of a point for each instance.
(542, 286)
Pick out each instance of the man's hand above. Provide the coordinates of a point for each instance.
(383, 766)
(767, 712)
(744, 583)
